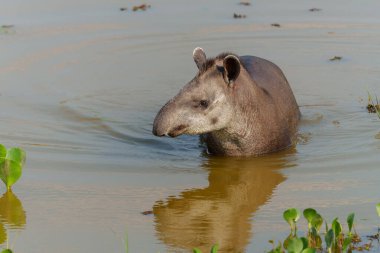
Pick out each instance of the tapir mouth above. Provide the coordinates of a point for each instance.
(178, 130)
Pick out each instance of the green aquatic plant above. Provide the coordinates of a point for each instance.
(378, 209)
(309, 215)
(336, 240)
(373, 107)
(6, 29)
(11, 163)
(126, 246)
(350, 222)
(291, 216)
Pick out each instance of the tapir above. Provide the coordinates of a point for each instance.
(239, 105)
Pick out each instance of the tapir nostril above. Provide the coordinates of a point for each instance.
(156, 133)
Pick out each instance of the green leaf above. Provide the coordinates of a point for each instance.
(350, 221)
(304, 242)
(16, 155)
(346, 243)
(10, 172)
(329, 237)
(7, 251)
(196, 250)
(3, 151)
(295, 245)
(337, 227)
(378, 209)
(313, 232)
(11, 165)
(214, 248)
(286, 241)
(291, 216)
(309, 214)
(309, 250)
(317, 222)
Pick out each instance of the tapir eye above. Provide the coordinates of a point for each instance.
(203, 103)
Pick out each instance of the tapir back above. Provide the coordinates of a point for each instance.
(273, 82)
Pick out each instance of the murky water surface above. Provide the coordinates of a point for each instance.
(81, 82)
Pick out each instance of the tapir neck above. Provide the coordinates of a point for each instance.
(252, 130)
(236, 138)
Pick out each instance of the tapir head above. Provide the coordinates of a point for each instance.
(205, 104)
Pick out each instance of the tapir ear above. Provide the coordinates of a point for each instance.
(199, 57)
(231, 65)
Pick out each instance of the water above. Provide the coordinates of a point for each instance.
(82, 82)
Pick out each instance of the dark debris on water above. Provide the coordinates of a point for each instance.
(141, 7)
(373, 108)
(336, 58)
(245, 3)
(239, 15)
(276, 25)
(314, 9)
(147, 212)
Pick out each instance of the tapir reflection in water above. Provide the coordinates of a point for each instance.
(240, 105)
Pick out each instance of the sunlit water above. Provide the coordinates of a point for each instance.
(80, 84)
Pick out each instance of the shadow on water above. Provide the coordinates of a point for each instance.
(221, 212)
(12, 215)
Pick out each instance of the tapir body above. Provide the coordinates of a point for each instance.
(241, 106)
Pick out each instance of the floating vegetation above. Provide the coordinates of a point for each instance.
(239, 15)
(142, 7)
(245, 3)
(334, 237)
(276, 25)
(372, 106)
(336, 58)
(314, 9)
(6, 29)
(11, 163)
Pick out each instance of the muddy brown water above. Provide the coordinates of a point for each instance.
(80, 84)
